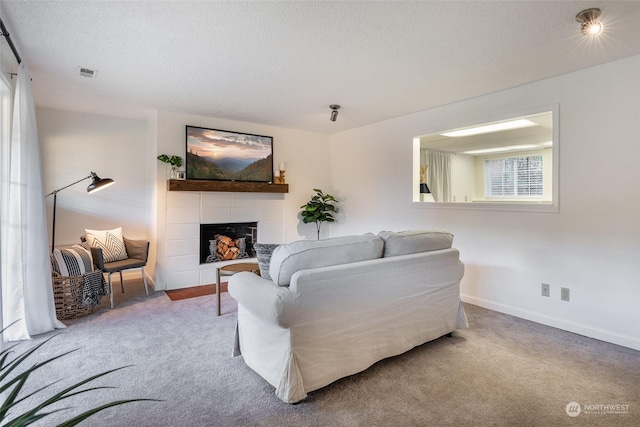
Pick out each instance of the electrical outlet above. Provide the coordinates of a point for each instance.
(546, 290)
(564, 294)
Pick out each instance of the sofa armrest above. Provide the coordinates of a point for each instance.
(138, 249)
(261, 297)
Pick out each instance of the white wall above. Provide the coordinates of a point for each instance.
(74, 144)
(179, 213)
(592, 246)
(463, 178)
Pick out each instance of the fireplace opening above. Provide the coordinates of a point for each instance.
(225, 242)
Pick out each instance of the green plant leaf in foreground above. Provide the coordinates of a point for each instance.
(11, 389)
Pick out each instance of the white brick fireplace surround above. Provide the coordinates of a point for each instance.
(187, 210)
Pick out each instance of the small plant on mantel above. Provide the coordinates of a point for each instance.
(174, 161)
(319, 209)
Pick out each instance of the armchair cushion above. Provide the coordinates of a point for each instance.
(138, 253)
(123, 264)
(110, 241)
(138, 249)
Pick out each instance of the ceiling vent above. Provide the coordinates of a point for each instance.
(86, 72)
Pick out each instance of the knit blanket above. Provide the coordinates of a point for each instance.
(95, 287)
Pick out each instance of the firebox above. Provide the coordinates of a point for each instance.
(229, 241)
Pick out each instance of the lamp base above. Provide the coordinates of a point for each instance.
(427, 197)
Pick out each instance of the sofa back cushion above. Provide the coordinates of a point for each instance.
(304, 254)
(414, 241)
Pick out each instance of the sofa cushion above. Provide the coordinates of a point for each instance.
(263, 253)
(414, 241)
(304, 254)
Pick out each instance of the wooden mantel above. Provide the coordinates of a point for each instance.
(225, 186)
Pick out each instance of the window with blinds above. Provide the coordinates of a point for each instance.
(514, 177)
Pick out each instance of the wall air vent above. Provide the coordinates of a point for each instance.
(86, 72)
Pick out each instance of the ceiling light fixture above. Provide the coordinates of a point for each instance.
(508, 148)
(590, 24)
(493, 127)
(334, 111)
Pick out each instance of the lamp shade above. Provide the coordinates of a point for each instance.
(424, 189)
(98, 183)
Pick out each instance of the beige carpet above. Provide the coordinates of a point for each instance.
(503, 371)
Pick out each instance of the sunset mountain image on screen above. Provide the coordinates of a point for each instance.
(221, 155)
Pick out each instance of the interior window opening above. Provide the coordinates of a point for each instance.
(507, 161)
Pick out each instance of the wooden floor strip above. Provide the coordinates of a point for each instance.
(195, 291)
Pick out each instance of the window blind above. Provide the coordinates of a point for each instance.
(514, 177)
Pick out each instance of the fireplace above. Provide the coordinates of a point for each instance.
(229, 241)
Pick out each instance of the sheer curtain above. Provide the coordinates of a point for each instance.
(438, 173)
(5, 137)
(27, 295)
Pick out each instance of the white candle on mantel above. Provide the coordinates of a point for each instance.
(276, 173)
(281, 166)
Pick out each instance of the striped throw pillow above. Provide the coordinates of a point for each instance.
(73, 261)
(263, 253)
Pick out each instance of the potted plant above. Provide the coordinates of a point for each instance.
(319, 209)
(174, 161)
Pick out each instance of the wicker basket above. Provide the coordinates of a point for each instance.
(67, 295)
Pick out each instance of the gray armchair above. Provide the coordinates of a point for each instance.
(138, 252)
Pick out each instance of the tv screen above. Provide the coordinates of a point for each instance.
(223, 155)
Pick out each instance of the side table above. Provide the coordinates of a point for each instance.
(230, 270)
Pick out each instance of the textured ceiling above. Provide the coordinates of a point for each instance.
(283, 63)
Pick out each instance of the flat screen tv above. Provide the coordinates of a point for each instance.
(222, 155)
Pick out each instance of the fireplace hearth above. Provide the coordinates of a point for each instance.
(228, 241)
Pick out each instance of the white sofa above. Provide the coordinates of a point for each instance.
(335, 307)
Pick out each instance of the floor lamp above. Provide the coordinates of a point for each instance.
(97, 184)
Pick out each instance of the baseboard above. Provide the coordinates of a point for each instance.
(577, 328)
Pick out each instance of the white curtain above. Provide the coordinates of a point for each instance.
(27, 295)
(438, 173)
